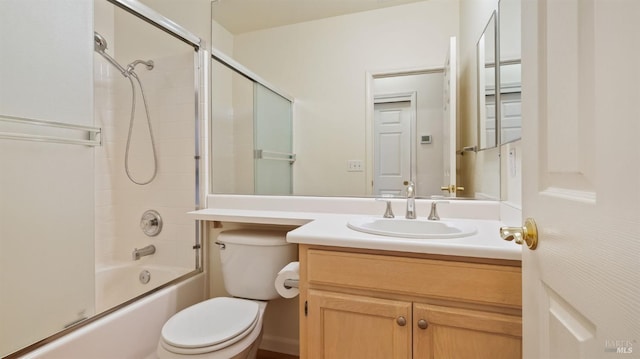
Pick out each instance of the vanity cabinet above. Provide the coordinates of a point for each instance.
(380, 304)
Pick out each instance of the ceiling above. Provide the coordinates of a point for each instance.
(240, 16)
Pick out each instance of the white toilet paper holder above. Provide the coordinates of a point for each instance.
(291, 283)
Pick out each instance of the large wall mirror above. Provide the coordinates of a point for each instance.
(323, 63)
(510, 71)
(487, 79)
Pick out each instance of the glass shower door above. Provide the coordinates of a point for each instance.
(273, 147)
(47, 164)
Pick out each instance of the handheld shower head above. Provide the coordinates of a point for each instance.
(100, 43)
(99, 46)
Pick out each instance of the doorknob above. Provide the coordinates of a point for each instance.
(527, 233)
(452, 189)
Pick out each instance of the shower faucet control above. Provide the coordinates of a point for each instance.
(151, 223)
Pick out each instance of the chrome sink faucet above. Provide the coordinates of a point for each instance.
(388, 213)
(411, 200)
(146, 251)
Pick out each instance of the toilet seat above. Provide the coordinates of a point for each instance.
(210, 325)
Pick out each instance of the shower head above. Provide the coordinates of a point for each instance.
(148, 64)
(99, 46)
(100, 43)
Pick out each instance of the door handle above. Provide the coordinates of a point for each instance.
(452, 189)
(526, 234)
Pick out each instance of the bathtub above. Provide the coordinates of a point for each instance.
(120, 283)
(131, 332)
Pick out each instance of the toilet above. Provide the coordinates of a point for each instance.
(231, 327)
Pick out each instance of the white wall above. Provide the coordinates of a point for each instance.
(323, 65)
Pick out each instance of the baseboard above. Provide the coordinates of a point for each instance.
(280, 345)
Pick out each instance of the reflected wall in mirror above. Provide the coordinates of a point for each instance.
(322, 64)
(487, 76)
(510, 72)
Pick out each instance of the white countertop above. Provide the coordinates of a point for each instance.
(331, 229)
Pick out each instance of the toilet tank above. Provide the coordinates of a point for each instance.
(251, 260)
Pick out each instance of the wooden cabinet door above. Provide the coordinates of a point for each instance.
(454, 333)
(342, 326)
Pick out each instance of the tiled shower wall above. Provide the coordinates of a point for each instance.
(170, 94)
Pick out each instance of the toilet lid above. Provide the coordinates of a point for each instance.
(210, 322)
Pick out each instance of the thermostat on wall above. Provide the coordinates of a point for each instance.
(425, 139)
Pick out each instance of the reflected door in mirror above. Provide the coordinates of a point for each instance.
(392, 144)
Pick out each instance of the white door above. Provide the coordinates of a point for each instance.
(450, 118)
(581, 172)
(393, 149)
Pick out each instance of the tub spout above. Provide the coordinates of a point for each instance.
(146, 251)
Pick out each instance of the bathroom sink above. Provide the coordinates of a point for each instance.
(412, 228)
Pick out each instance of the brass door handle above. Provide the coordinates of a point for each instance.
(526, 234)
(452, 189)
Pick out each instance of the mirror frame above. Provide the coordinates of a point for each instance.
(480, 90)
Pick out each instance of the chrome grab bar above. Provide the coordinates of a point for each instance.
(91, 137)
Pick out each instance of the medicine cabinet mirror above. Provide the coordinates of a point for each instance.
(510, 71)
(487, 76)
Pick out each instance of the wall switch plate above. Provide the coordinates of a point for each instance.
(355, 166)
(425, 139)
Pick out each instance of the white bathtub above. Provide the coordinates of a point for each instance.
(131, 332)
(120, 283)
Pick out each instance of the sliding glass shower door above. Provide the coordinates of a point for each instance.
(274, 156)
(47, 144)
(251, 133)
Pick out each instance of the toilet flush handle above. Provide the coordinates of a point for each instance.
(220, 244)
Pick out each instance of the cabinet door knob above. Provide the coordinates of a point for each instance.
(402, 321)
(422, 324)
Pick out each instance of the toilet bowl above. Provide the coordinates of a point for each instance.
(219, 328)
(231, 327)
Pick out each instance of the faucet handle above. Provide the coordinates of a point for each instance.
(388, 212)
(433, 216)
(411, 188)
